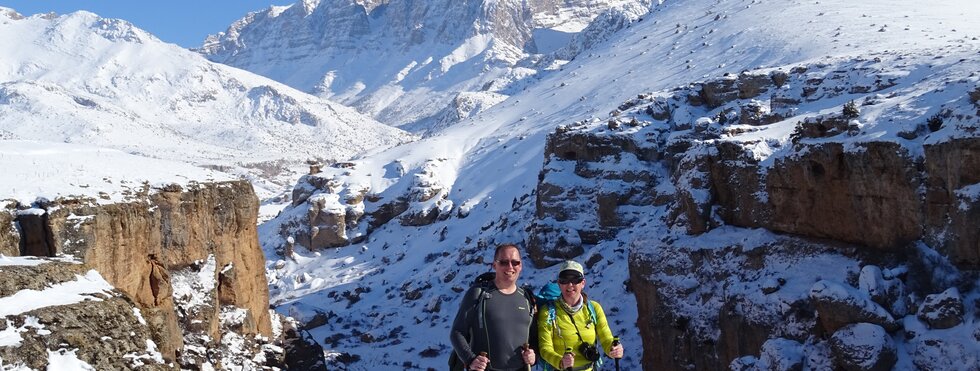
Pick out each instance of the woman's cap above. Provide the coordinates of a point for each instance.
(570, 267)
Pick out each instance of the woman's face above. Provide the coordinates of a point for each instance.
(571, 288)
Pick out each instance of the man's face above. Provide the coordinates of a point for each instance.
(507, 264)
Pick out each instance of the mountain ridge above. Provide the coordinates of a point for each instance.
(105, 82)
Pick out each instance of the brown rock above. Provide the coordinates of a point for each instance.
(751, 86)
(863, 347)
(9, 236)
(101, 333)
(868, 196)
(839, 305)
(950, 166)
(136, 245)
(943, 310)
(718, 92)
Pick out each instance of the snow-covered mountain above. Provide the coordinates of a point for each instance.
(83, 79)
(415, 65)
(417, 222)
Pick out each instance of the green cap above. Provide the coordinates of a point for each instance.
(570, 265)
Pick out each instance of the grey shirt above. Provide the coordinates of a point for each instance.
(505, 328)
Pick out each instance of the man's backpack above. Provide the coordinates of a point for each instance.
(485, 283)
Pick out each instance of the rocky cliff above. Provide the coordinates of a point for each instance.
(58, 310)
(416, 65)
(817, 216)
(187, 257)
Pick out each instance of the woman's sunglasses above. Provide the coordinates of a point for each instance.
(513, 263)
(574, 281)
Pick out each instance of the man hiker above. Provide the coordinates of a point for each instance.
(495, 319)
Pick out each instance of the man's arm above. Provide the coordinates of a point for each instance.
(462, 325)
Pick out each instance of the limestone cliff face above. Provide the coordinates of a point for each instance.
(142, 246)
(768, 244)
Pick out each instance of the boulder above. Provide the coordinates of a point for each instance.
(940, 353)
(889, 293)
(863, 347)
(781, 355)
(943, 310)
(839, 305)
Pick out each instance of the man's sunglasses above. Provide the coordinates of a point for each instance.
(574, 281)
(513, 263)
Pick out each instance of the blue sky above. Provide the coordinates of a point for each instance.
(182, 22)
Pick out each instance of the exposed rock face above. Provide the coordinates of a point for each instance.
(952, 168)
(860, 218)
(106, 332)
(341, 214)
(868, 196)
(705, 304)
(335, 35)
(570, 214)
(9, 235)
(138, 247)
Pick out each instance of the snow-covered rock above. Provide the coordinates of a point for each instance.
(942, 310)
(863, 347)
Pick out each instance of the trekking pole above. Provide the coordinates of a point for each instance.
(568, 350)
(527, 346)
(616, 360)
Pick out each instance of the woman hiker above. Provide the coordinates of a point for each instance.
(571, 329)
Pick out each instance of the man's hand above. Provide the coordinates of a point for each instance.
(479, 363)
(528, 355)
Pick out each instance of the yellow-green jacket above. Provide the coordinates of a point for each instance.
(554, 337)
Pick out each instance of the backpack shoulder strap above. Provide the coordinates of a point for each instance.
(531, 300)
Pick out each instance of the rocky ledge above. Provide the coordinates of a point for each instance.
(184, 258)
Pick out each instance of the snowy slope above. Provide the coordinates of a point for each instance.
(407, 63)
(83, 79)
(39, 169)
(390, 299)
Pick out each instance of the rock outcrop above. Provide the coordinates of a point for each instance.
(145, 248)
(104, 330)
(746, 151)
(9, 235)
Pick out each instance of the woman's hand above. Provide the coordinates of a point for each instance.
(616, 351)
(568, 360)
